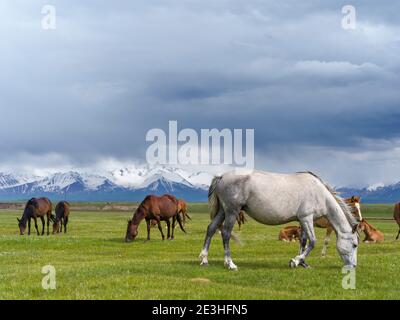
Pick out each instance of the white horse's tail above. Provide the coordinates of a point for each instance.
(213, 198)
(342, 204)
(214, 205)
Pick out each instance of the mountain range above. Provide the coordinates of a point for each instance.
(132, 184)
(127, 184)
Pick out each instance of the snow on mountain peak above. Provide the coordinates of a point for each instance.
(375, 186)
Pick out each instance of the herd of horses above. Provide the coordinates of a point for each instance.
(269, 198)
(40, 208)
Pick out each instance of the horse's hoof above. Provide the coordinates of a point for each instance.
(293, 264)
(231, 266)
(204, 264)
(304, 265)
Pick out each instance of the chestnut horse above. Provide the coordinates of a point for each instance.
(62, 214)
(183, 210)
(396, 217)
(241, 218)
(154, 208)
(371, 234)
(290, 233)
(36, 208)
(354, 203)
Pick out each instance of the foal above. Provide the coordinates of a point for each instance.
(62, 214)
(371, 234)
(290, 233)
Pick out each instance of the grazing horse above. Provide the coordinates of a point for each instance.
(154, 208)
(241, 218)
(354, 203)
(62, 214)
(183, 210)
(371, 234)
(396, 217)
(36, 208)
(290, 233)
(273, 199)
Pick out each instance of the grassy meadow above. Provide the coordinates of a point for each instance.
(93, 262)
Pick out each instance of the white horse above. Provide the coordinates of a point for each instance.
(273, 199)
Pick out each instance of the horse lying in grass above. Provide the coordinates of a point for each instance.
(273, 199)
(371, 234)
(36, 208)
(155, 208)
(62, 216)
(290, 233)
(354, 203)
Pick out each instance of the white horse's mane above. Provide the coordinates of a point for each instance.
(346, 208)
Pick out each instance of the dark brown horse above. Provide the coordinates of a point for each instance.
(396, 217)
(62, 214)
(36, 208)
(154, 208)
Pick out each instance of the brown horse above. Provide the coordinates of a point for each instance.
(354, 203)
(290, 233)
(36, 208)
(396, 217)
(183, 210)
(241, 218)
(154, 208)
(62, 214)
(371, 234)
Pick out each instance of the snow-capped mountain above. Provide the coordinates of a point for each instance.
(125, 184)
(377, 193)
(133, 183)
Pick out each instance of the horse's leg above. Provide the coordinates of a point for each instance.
(169, 229)
(303, 241)
(36, 226)
(65, 224)
(398, 235)
(148, 223)
(212, 227)
(29, 226)
(307, 225)
(326, 241)
(48, 222)
(230, 220)
(43, 223)
(173, 227)
(160, 228)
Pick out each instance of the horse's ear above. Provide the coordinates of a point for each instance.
(18, 220)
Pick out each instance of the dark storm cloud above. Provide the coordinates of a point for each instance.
(93, 87)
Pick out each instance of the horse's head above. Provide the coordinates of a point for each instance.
(354, 202)
(56, 226)
(347, 245)
(131, 231)
(21, 226)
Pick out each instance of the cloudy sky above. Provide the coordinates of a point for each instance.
(319, 97)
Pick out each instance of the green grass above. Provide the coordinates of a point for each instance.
(93, 262)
